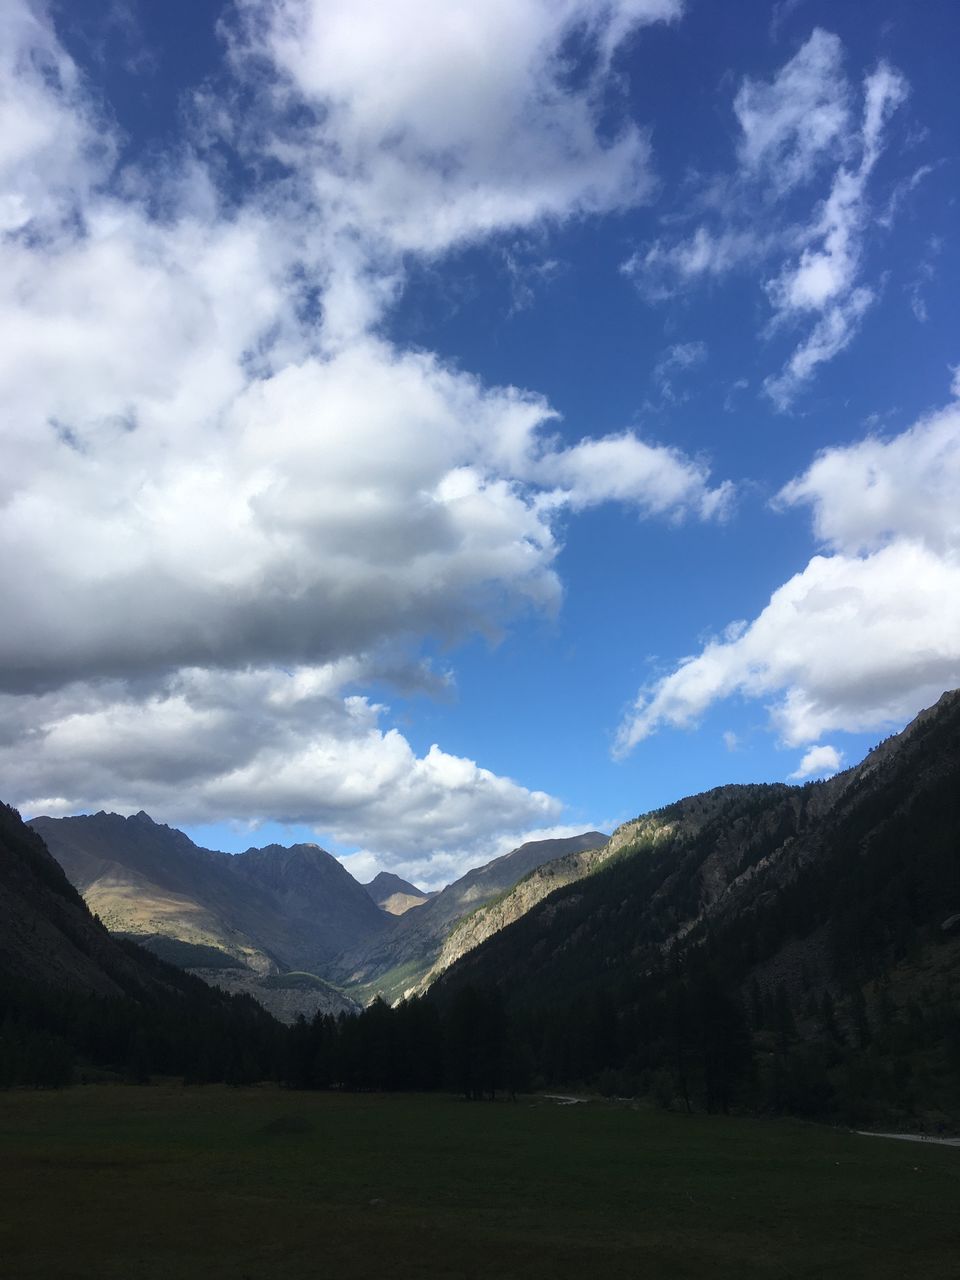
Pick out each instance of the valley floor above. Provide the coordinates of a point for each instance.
(112, 1182)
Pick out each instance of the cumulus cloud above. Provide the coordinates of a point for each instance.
(865, 634)
(469, 128)
(202, 744)
(216, 467)
(865, 495)
(818, 762)
(792, 130)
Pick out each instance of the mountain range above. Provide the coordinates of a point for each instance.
(810, 934)
(272, 909)
(396, 964)
(288, 925)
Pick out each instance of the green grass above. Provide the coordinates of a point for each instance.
(113, 1182)
(393, 983)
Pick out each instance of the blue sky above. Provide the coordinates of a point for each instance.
(419, 443)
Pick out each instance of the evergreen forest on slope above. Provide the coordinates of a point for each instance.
(761, 948)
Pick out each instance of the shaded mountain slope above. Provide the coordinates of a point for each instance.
(398, 962)
(47, 935)
(69, 989)
(272, 908)
(505, 909)
(778, 918)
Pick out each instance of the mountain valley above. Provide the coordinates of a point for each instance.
(797, 945)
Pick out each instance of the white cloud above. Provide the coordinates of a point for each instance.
(289, 745)
(52, 148)
(818, 762)
(655, 479)
(336, 505)
(213, 466)
(463, 130)
(833, 331)
(664, 269)
(675, 362)
(792, 128)
(789, 124)
(870, 493)
(824, 280)
(860, 638)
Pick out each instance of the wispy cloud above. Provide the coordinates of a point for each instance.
(674, 363)
(794, 130)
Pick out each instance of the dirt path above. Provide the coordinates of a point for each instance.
(912, 1137)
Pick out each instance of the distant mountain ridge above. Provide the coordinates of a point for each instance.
(395, 895)
(272, 908)
(276, 908)
(397, 963)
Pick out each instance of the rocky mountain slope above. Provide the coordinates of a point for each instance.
(397, 963)
(287, 996)
(271, 908)
(395, 895)
(817, 923)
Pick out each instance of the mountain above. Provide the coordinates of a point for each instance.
(273, 908)
(797, 945)
(71, 991)
(396, 963)
(395, 895)
(47, 935)
(505, 909)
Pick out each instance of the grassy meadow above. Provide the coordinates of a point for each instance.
(218, 1184)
